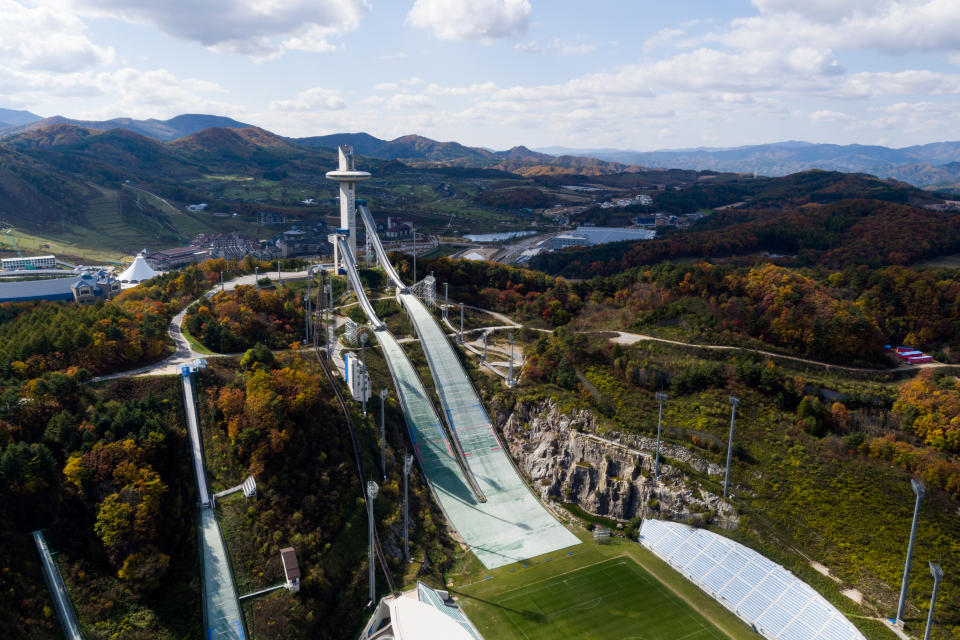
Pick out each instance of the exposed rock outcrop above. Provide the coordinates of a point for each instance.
(611, 476)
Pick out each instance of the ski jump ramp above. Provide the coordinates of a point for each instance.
(511, 524)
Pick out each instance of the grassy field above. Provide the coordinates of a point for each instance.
(617, 590)
(611, 599)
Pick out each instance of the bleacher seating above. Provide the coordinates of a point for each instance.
(762, 593)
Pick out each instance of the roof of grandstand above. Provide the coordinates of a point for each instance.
(764, 594)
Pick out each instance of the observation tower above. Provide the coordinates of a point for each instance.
(348, 177)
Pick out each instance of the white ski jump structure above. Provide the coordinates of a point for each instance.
(475, 482)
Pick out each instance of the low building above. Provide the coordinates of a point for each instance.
(232, 245)
(32, 262)
(168, 259)
(91, 287)
(291, 569)
(88, 287)
(395, 229)
(265, 218)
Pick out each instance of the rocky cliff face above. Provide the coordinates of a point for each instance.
(610, 476)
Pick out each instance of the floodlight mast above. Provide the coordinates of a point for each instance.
(383, 433)
(734, 401)
(661, 398)
(937, 573)
(407, 464)
(920, 490)
(372, 490)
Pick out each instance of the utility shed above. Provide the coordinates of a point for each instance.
(291, 569)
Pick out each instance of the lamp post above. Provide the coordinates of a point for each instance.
(734, 401)
(485, 334)
(446, 299)
(407, 464)
(918, 489)
(461, 323)
(256, 277)
(937, 578)
(363, 387)
(383, 433)
(510, 377)
(372, 490)
(661, 397)
(414, 252)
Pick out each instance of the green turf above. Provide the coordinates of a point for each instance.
(612, 599)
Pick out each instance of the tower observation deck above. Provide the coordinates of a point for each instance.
(348, 177)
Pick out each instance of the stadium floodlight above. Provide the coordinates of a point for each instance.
(734, 401)
(461, 323)
(485, 335)
(363, 348)
(918, 489)
(661, 398)
(383, 433)
(937, 579)
(372, 490)
(407, 464)
(446, 299)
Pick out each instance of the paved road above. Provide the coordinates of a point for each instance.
(623, 337)
(184, 354)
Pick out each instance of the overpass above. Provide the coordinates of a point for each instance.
(510, 524)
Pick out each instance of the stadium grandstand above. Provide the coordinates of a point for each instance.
(419, 614)
(762, 593)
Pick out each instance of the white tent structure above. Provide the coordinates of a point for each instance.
(138, 271)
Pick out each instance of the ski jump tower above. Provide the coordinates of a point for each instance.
(348, 177)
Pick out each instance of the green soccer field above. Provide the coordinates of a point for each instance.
(614, 600)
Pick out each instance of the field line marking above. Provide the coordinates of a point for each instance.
(716, 624)
(586, 566)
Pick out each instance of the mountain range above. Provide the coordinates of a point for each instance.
(936, 164)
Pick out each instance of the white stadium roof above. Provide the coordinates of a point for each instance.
(762, 593)
(420, 614)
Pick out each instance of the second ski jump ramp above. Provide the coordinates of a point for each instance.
(512, 524)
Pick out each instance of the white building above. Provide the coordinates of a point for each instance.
(356, 378)
(32, 262)
(419, 614)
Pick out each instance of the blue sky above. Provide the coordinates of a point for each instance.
(498, 73)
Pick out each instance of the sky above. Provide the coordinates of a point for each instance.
(633, 74)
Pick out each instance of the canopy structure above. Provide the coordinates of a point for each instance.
(138, 271)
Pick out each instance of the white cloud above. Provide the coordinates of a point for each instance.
(470, 19)
(386, 86)
(409, 101)
(42, 38)
(566, 49)
(826, 115)
(437, 90)
(527, 47)
(314, 99)
(892, 26)
(258, 28)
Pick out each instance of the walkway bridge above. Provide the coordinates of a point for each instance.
(222, 619)
(511, 524)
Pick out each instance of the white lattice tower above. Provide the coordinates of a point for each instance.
(350, 331)
(426, 290)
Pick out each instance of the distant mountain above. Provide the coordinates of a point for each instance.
(920, 164)
(424, 152)
(12, 118)
(163, 130)
(362, 143)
